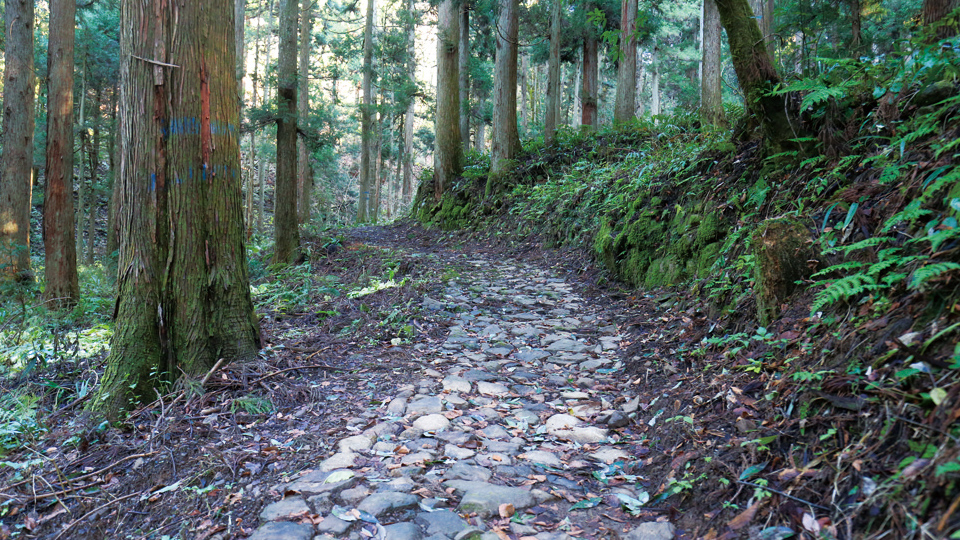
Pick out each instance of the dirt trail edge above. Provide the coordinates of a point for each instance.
(518, 425)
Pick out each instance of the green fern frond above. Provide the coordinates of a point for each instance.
(912, 212)
(843, 289)
(849, 265)
(931, 271)
(862, 244)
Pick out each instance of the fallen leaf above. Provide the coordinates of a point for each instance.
(507, 510)
(586, 503)
(744, 518)
(811, 524)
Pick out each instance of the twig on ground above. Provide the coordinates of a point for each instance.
(782, 494)
(95, 510)
(314, 366)
(77, 479)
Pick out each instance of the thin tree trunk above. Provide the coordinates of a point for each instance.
(553, 83)
(655, 85)
(59, 243)
(505, 142)
(285, 226)
(464, 69)
(112, 228)
(262, 198)
(524, 95)
(240, 16)
(410, 115)
(82, 177)
(94, 167)
(711, 98)
(448, 149)
(304, 170)
(625, 106)
(367, 112)
(577, 112)
(591, 72)
(16, 161)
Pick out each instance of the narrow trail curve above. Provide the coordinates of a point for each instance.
(517, 427)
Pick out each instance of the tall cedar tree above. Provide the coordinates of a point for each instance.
(755, 72)
(624, 109)
(448, 150)
(286, 231)
(464, 67)
(505, 141)
(16, 161)
(304, 167)
(589, 118)
(711, 98)
(410, 115)
(184, 294)
(551, 117)
(368, 164)
(59, 240)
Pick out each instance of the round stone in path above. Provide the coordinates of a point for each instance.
(283, 530)
(457, 384)
(432, 422)
(486, 499)
(442, 522)
(492, 389)
(288, 507)
(382, 502)
(403, 531)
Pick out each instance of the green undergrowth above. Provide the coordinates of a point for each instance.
(847, 250)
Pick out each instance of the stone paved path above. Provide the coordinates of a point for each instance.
(512, 416)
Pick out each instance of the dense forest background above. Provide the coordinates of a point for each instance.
(782, 173)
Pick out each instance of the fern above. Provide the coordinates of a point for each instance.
(931, 271)
(862, 244)
(912, 212)
(843, 289)
(849, 265)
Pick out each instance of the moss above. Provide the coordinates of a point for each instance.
(781, 249)
(664, 272)
(709, 231)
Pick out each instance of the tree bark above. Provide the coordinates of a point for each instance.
(655, 83)
(625, 106)
(16, 161)
(59, 242)
(448, 149)
(367, 112)
(184, 296)
(286, 231)
(505, 144)
(94, 181)
(933, 13)
(113, 232)
(410, 115)
(711, 97)
(524, 94)
(591, 73)
(464, 69)
(553, 83)
(856, 31)
(755, 71)
(304, 169)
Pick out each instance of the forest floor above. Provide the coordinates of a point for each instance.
(418, 384)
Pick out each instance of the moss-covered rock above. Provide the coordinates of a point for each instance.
(781, 248)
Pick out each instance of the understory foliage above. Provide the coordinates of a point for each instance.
(862, 368)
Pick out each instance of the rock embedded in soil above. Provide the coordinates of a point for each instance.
(283, 530)
(286, 508)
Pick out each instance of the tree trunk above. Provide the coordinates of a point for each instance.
(240, 16)
(856, 32)
(755, 71)
(577, 106)
(94, 168)
(763, 12)
(591, 73)
(464, 68)
(16, 161)
(367, 112)
(184, 294)
(553, 83)
(59, 242)
(505, 142)
(112, 225)
(624, 109)
(448, 149)
(410, 115)
(655, 83)
(711, 97)
(934, 11)
(286, 231)
(304, 170)
(524, 95)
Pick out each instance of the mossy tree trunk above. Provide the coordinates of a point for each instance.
(304, 168)
(59, 240)
(552, 115)
(464, 73)
(184, 295)
(591, 74)
(711, 96)
(448, 149)
(781, 249)
(755, 72)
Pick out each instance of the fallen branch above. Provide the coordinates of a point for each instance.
(782, 494)
(314, 366)
(95, 510)
(77, 479)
